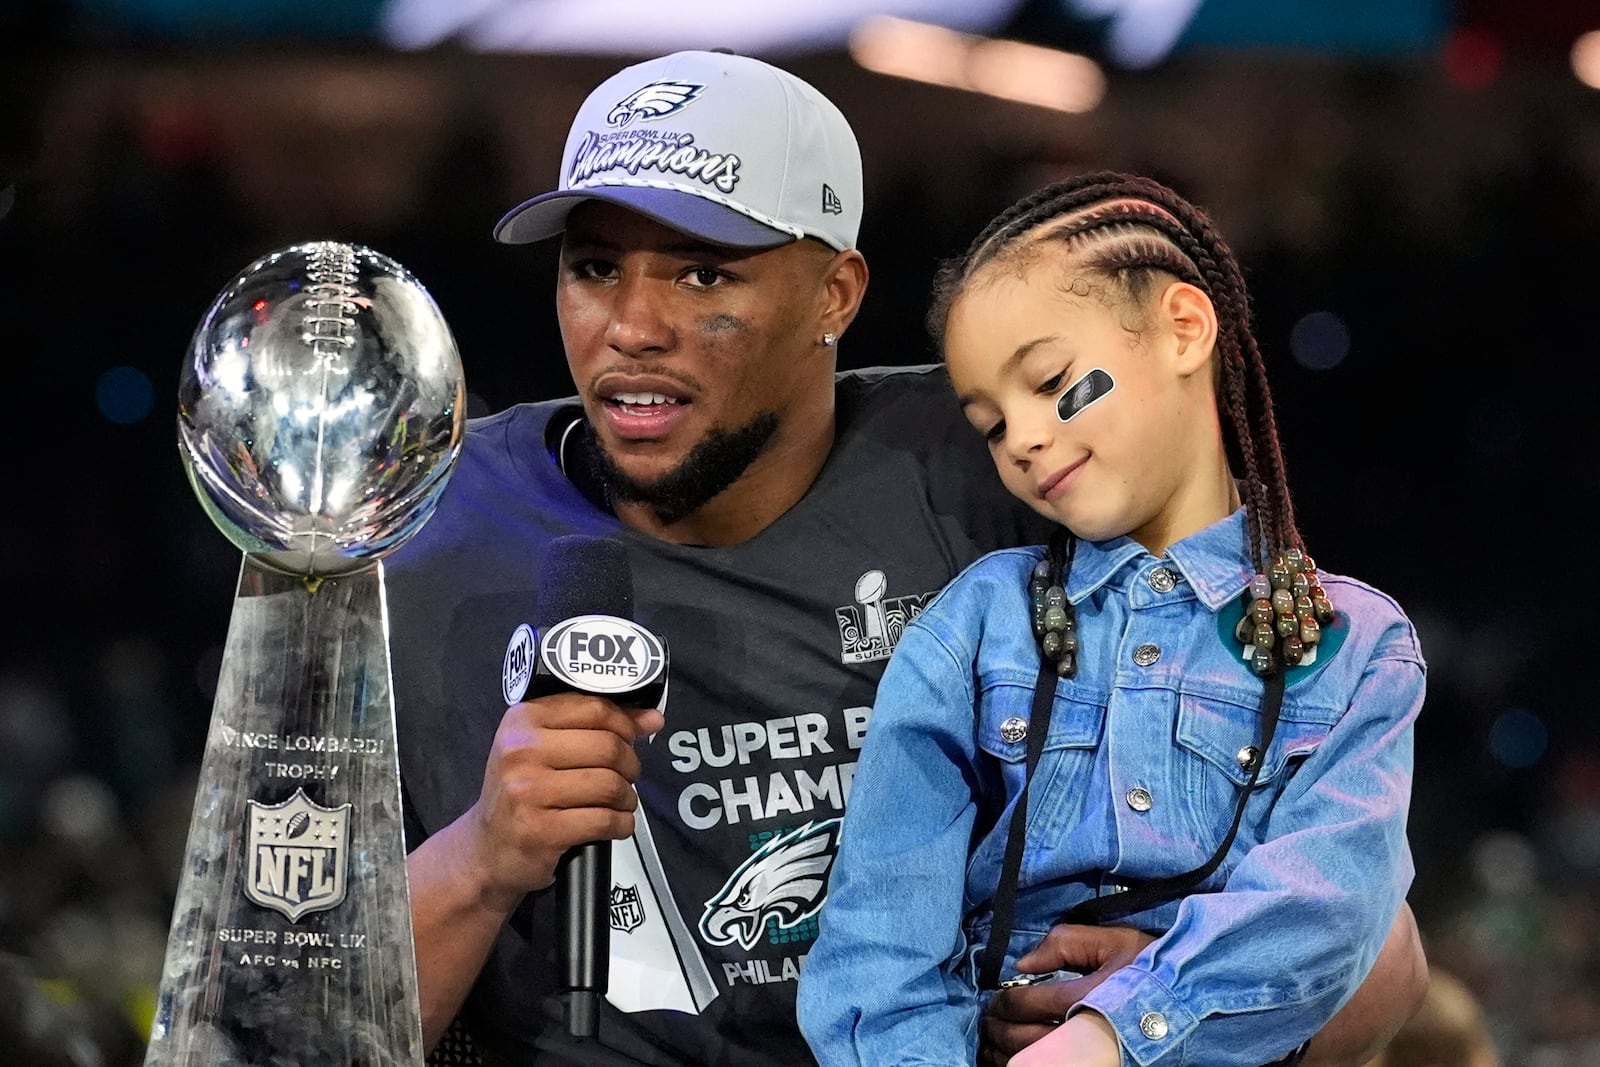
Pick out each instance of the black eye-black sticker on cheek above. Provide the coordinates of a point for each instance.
(1083, 392)
(724, 323)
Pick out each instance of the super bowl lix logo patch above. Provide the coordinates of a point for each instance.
(871, 627)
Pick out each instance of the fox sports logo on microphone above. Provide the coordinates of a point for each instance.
(603, 654)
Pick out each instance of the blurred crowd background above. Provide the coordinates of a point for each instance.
(1413, 187)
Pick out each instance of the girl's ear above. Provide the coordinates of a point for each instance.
(1187, 311)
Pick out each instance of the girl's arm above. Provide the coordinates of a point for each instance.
(1304, 914)
(877, 986)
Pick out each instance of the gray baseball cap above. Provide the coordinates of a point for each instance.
(722, 147)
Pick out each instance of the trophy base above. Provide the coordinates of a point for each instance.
(291, 943)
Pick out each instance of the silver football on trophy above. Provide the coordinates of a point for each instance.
(321, 408)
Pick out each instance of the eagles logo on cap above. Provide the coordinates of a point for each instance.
(653, 101)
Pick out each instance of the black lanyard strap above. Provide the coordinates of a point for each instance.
(1144, 895)
(1058, 557)
(1005, 900)
(1157, 891)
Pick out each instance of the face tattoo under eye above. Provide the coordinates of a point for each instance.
(1083, 392)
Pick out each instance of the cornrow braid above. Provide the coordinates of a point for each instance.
(1126, 227)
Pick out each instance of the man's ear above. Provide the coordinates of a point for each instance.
(844, 284)
(1188, 313)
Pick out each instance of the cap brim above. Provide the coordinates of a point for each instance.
(545, 216)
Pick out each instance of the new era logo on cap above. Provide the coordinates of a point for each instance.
(721, 147)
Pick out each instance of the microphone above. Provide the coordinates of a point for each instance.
(589, 643)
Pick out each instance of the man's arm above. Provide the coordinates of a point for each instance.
(559, 774)
(1019, 1016)
(1391, 994)
(454, 925)
(877, 986)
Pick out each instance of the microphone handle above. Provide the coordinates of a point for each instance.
(613, 657)
(583, 879)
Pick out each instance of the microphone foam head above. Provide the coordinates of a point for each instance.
(585, 575)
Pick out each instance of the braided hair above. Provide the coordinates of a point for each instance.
(1131, 230)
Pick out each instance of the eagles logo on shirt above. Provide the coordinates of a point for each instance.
(785, 880)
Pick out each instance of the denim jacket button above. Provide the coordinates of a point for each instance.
(1013, 729)
(1162, 580)
(1145, 655)
(1139, 798)
(1154, 1025)
(1248, 756)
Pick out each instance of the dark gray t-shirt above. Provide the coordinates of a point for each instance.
(776, 646)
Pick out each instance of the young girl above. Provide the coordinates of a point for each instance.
(1169, 717)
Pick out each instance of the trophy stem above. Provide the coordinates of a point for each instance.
(291, 942)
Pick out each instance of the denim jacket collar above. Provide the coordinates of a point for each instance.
(1214, 561)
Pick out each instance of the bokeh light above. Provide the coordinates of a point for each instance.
(1586, 59)
(1518, 738)
(1320, 341)
(125, 395)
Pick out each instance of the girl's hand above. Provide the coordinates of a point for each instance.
(1085, 1040)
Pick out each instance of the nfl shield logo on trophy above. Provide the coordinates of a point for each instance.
(627, 910)
(298, 854)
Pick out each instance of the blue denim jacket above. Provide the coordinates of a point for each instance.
(1249, 965)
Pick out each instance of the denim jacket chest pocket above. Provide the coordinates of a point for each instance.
(1219, 733)
(1067, 764)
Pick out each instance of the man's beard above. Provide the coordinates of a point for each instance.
(712, 465)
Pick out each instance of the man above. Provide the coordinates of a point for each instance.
(781, 524)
